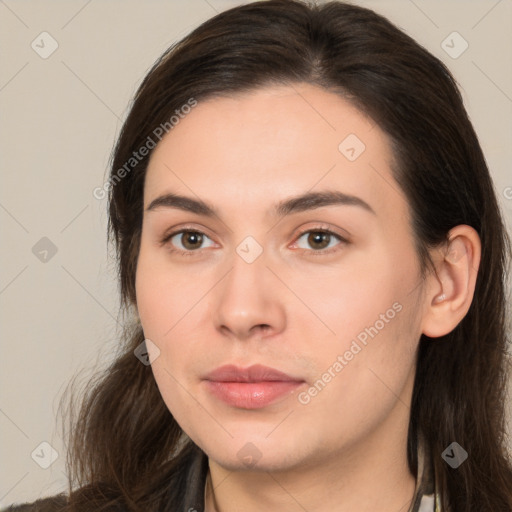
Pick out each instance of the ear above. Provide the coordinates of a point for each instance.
(450, 289)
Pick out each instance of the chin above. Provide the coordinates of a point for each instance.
(255, 452)
(274, 462)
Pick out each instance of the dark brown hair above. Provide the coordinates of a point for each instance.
(125, 446)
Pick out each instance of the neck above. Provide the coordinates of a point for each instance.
(370, 475)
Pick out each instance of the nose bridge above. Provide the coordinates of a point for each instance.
(246, 298)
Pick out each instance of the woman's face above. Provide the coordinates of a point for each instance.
(302, 259)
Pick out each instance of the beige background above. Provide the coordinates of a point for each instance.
(60, 117)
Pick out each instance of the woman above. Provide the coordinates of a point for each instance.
(310, 242)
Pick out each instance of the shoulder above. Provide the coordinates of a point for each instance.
(52, 504)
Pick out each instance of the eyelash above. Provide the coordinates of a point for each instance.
(165, 240)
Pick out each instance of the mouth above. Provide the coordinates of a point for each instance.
(254, 387)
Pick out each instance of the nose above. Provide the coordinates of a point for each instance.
(248, 302)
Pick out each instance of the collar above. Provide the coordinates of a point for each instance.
(426, 497)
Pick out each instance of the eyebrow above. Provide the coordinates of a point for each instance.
(300, 203)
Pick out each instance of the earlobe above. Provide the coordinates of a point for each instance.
(451, 288)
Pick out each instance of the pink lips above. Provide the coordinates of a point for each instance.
(250, 388)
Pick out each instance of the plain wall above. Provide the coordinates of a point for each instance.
(60, 118)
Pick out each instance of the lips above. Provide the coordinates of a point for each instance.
(255, 373)
(254, 387)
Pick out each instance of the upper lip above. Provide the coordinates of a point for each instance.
(255, 373)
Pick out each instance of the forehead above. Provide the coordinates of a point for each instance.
(253, 148)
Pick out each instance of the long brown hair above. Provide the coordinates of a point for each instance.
(125, 447)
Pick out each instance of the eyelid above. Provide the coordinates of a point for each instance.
(319, 227)
(323, 228)
(169, 233)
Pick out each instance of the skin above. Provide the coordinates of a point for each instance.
(292, 308)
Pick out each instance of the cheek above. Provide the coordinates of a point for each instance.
(165, 295)
(353, 295)
(363, 377)
(374, 314)
(163, 300)
(168, 302)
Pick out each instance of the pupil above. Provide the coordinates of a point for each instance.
(318, 238)
(192, 240)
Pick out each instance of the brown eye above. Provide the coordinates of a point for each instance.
(191, 239)
(319, 240)
(188, 241)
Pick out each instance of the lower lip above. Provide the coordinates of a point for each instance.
(251, 395)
